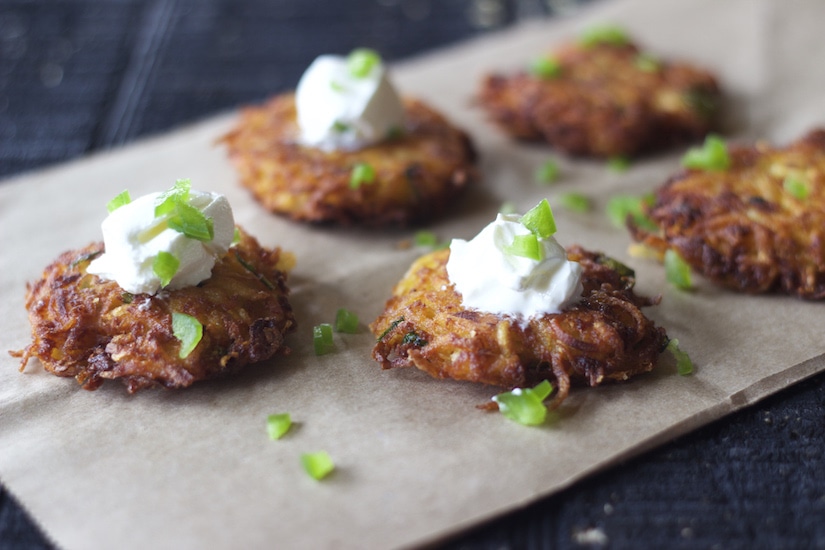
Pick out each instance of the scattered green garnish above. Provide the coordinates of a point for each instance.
(413, 338)
(621, 206)
(425, 238)
(318, 465)
(249, 267)
(346, 321)
(86, 258)
(647, 63)
(575, 202)
(796, 187)
(713, 155)
(547, 172)
(165, 266)
(526, 246)
(188, 330)
(604, 34)
(545, 67)
(361, 61)
(540, 220)
(168, 199)
(336, 86)
(127, 297)
(236, 237)
(390, 328)
(684, 365)
(322, 338)
(615, 265)
(677, 270)
(277, 425)
(525, 406)
(361, 173)
(618, 164)
(121, 199)
(191, 222)
(340, 127)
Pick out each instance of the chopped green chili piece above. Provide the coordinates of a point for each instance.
(545, 67)
(336, 86)
(797, 187)
(277, 425)
(165, 266)
(361, 173)
(169, 199)
(713, 155)
(604, 34)
(390, 328)
(618, 164)
(361, 61)
(318, 465)
(540, 220)
(346, 321)
(526, 246)
(188, 330)
(121, 199)
(525, 406)
(684, 365)
(425, 238)
(236, 237)
(575, 202)
(340, 127)
(322, 338)
(647, 63)
(548, 172)
(677, 270)
(620, 207)
(191, 222)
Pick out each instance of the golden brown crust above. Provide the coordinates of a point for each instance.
(603, 337)
(741, 228)
(418, 174)
(93, 330)
(603, 104)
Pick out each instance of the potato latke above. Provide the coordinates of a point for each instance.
(606, 100)
(603, 337)
(417, 173)
(92, 330)
(745, 227)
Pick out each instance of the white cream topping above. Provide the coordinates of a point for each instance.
(489, 279)
(337, 110)
(133, 237)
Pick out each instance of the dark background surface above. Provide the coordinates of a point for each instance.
(78, 76)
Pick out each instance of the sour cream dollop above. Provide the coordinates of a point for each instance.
(133, 237)
(339, 110)
(493, 280)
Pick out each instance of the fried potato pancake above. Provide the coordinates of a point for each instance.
(417, 174)
(603, 337)
(93, 330)
(606, 100)
(745, 228)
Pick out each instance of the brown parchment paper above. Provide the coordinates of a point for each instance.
(415, 460)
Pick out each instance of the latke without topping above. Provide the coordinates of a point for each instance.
(607, 100)
(743, 228)
(603, 337)
(418, 174)
(93, 330)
